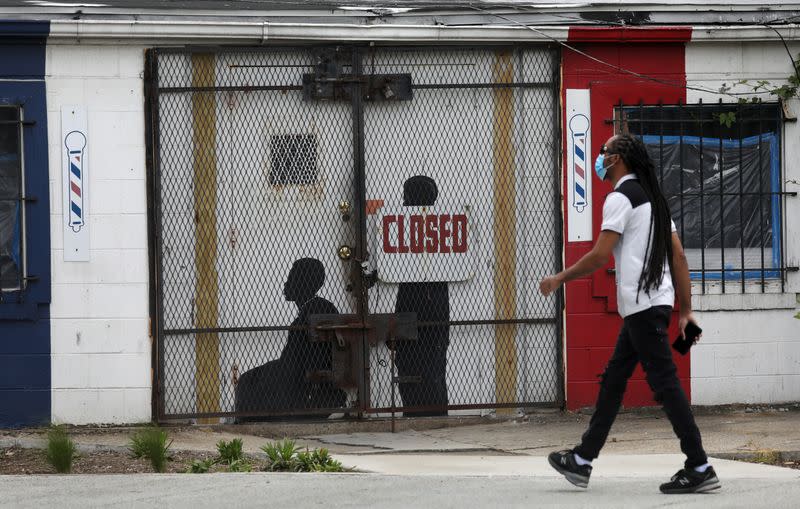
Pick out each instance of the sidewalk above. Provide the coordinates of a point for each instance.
(727, 434)
(496, 463)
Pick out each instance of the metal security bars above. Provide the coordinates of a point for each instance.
(354, 230)
(720, 168)
(12, 201)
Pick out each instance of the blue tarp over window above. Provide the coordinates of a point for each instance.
(731, 227)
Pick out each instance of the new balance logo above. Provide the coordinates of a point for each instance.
(683, 481)
(563, 460)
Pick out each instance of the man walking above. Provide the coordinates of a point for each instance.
(648, 254)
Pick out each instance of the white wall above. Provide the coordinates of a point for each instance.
(750, 351)
(99, 312)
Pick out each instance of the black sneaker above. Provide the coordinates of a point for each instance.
(564, 462)
(691, 481)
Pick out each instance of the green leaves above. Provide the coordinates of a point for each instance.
(201, 466)
(230, 452)
(240, 466)
(317, 460)
(151, 443)
(726, 119)
(281, 455)
(60, 450)
(784, 92)
(285, 456)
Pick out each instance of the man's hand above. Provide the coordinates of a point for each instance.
(683, 320)
(590, 262)
(549, 284)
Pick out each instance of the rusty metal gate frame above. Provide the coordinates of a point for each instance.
(156, 304)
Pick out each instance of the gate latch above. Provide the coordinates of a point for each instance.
(375, 87)
(329, 82)
(345, 333)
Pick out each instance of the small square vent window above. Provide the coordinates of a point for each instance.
(294, 159)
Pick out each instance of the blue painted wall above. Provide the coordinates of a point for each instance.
(25, 315)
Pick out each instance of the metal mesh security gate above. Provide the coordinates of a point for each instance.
(354, 230)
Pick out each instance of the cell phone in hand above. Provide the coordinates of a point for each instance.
(691, 333)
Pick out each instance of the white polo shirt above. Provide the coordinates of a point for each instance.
(627, 211)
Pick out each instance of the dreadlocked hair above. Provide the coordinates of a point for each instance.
(633, 152)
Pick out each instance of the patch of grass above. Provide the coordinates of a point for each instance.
(285, 456)
(60, 450)
(767, 457)
(230, 452)
(151, 443)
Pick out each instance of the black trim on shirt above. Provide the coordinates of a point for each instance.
(633, 191)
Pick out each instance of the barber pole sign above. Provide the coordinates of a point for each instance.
(424, 244)
(579, 166)
(74, 145)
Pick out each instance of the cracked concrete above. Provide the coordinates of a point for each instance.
(726, 433)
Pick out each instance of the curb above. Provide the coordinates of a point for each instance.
(766, 456)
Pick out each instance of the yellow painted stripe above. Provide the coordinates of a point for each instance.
(204, 124)
(505, 224)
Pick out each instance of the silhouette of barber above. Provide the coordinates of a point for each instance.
(426, 357)
(283, 384)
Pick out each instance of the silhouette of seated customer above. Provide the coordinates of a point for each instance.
(283, 384)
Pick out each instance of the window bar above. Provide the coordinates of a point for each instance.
(661, 144)
(722, 204)
(640, 125)
(761, 199)
(739, 122)
(702, 206)
(705, 121)
(781, 197)
(2, 291)
(680, 166)
(20, 206)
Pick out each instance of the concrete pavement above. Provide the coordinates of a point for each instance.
(461, 481)
(657, 467)
(728, 433)
(495, 463)
(634, 433)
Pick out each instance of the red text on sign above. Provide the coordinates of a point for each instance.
(442, 233)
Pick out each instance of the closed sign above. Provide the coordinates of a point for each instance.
(418, 244)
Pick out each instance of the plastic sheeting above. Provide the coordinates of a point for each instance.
(712, 186)
(9, 221)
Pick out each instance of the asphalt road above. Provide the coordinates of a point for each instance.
(379, 490)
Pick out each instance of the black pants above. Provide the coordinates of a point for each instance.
(427, 360)
(644, 339)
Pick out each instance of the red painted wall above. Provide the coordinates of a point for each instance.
(592, 322)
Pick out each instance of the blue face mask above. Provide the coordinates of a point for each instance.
(599, 166)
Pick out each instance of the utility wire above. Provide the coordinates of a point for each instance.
(788, 51)
(620, 68)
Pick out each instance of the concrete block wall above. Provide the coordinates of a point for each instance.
(750, 351)
(101, 351)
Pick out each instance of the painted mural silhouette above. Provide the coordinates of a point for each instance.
(283, 384)
(426, 357)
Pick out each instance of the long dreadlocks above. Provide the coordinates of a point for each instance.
(633, 152)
